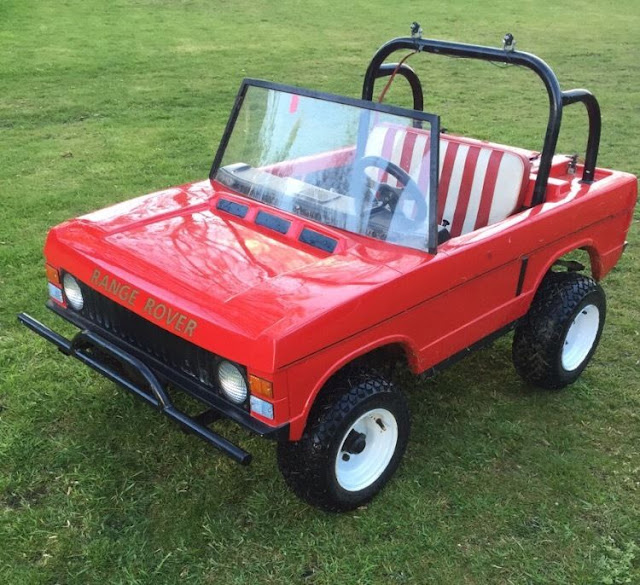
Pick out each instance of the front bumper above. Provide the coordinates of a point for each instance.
(116, 359)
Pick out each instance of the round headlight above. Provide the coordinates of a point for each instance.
(232, 382)
(72, 292)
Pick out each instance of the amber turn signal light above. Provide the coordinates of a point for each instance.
(53, 275)
(260, 387)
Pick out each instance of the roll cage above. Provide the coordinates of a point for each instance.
(508, 55)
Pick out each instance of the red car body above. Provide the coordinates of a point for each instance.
(294, 315)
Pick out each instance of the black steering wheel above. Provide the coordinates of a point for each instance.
(389, 195)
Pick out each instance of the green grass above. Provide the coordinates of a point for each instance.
(101, 101)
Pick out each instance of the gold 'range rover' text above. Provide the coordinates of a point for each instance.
(158, 311)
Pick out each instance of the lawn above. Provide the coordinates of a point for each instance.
(101, 101)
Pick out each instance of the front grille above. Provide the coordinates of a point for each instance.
(170, 349)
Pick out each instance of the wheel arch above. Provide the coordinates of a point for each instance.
(586, 246)
(379, 355)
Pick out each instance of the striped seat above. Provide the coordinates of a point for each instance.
(481, 183)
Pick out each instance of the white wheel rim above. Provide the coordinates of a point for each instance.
(580, 337)
(357, 471)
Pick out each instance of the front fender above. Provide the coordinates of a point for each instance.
(307, 377)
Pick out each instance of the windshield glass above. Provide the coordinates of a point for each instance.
(354, 166)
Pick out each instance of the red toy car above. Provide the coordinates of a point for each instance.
(336, 236)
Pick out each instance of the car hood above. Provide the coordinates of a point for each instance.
(249, 287)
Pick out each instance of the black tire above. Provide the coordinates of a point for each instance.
(542, 351)
(310, 466)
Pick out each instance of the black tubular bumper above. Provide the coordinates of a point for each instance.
(81, 346)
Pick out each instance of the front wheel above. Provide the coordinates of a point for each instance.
(553, 344)
(352, 445)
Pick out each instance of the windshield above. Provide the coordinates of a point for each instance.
(348, 164)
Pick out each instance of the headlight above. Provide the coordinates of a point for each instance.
(72, 292)
(232, 382)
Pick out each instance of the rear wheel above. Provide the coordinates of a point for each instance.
(352, 445)
(553, 344)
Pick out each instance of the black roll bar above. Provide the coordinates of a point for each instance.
(593, 141)
(557, 98)
(410, 75)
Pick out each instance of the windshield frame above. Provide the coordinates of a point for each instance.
(432, 119)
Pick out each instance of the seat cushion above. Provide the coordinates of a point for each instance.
(481, 183)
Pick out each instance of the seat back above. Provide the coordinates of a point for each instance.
(480, 184)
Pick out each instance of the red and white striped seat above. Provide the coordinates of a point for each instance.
(481, 183)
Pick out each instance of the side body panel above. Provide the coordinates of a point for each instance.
(474, 286)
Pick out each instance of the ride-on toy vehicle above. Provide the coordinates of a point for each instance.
(335, 236)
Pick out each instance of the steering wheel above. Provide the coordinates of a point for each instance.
(390, 196)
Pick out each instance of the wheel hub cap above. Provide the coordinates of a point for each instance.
(366, 449)
(354, 443)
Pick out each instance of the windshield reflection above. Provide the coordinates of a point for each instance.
(341, 165)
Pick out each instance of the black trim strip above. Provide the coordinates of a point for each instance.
(523, 273)
(456, 357)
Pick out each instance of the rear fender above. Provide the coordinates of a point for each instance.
(604, 251)
(586, 244)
